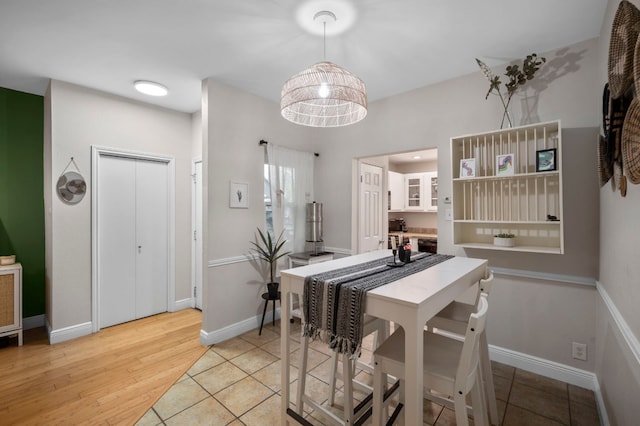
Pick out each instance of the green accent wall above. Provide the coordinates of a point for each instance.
(22, 192)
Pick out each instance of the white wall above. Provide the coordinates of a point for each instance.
(80, 118)
(428, 118)
(618, 316)
(539, 315)
(233, 124)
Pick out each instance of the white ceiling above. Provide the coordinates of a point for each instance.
(414, 156)
(394, 46)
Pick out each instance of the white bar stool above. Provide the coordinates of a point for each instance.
(350, 414)
(454, 319)
(380, 329)
(450, 367)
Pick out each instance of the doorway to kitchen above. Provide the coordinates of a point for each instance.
(410, 200)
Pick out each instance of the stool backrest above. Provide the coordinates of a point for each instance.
(470, 357)
(486, 283)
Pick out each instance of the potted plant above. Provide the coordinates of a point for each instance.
(270, 251)
(504, 240)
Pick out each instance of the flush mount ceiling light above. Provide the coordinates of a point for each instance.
(150, 88)
(325, 94)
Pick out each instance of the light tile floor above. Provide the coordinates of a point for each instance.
(237, 382)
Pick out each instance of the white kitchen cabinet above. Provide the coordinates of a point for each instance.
(414, 199)
(525, 201)
(11, 301)
(415, 192)
(431, 191)
(396, 191)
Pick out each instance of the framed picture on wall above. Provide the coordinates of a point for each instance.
(238, 195)
(546, 160)
(504, 165)
(467, 168)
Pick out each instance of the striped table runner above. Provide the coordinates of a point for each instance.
(333, 301)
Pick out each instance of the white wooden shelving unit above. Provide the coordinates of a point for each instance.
(488, 204)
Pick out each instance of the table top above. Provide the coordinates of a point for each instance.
(408, 290)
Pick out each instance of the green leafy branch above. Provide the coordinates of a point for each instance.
(269, 250)
(516, 77)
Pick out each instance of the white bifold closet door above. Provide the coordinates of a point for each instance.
(132, 239)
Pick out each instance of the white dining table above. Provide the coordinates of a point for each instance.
(409, 302)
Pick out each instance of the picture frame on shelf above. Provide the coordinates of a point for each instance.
(505, 165)
(546, 160)
(467, 168)
(238, 195)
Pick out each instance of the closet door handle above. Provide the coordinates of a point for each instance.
(139, 249)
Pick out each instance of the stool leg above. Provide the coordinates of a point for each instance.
(273, 318)
(264, 311)
(487, 376)
(332, 378)
(347, 374)
(379, 386)
(478, 402)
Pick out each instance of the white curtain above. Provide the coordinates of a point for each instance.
(290, 179)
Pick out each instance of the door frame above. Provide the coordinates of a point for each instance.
(96, 153)
(194, 242)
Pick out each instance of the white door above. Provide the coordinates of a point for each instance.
(132, 232)
(197, 232)
(116, 240)
(152, 237)
(370, 221)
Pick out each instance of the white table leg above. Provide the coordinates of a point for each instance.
(413, 349)
(284, 352)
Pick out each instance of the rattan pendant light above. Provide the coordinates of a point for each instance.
(325, 94)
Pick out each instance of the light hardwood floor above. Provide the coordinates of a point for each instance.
(110, 377)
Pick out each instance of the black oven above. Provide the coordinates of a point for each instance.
(428, 245)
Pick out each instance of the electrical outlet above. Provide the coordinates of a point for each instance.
(579, 351)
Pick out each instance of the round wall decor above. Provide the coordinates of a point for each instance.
(71, 187)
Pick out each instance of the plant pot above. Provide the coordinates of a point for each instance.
(504, 242)
(272, 288)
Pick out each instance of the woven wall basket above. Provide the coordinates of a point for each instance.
(624, 34)
(605, 169)
(631, 143)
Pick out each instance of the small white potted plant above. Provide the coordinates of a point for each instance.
(504, 240)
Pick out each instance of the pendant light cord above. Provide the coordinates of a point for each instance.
(324, 14)
(324, 39)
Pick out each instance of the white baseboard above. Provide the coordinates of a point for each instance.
(554, 370)
(544, 367)
(179, 305)
(233, 330)
(33, 322)
(68, 333)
